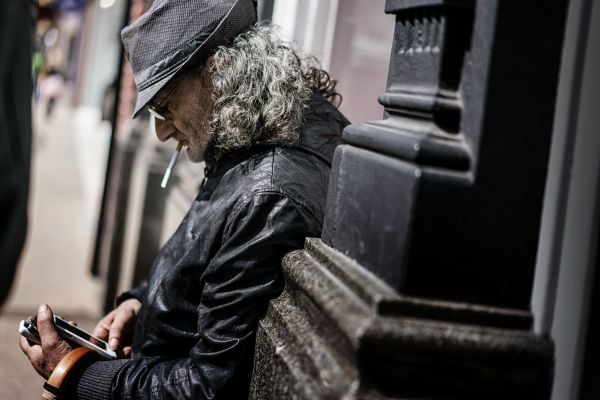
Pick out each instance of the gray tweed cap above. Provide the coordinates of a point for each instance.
(175, 34)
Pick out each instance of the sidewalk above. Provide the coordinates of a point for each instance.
(54, 267)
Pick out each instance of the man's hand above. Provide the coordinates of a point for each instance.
(44, 358)
(117, 327)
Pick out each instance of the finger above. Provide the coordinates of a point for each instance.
(45, 325)
(103, 326)
(127, 350)
(33, 352)
(117, 330)
(24, 344)
(101, 332)
(73, 323)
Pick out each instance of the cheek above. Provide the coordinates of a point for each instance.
(205, 109)
(205, 103)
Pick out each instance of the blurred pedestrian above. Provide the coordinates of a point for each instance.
(16, 30)
(51, 89)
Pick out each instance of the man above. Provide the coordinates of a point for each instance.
(256, 113)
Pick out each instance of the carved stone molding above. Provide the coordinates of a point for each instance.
(339, 332)
(442, 197)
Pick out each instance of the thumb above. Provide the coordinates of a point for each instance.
(45, 325)
(117, 331)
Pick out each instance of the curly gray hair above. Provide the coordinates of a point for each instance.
(261, 89)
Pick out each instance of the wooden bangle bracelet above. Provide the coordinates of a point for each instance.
(53, 388)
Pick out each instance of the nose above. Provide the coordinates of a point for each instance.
(164, 129)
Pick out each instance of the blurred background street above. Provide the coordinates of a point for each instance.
(55, 263)
(76, 50)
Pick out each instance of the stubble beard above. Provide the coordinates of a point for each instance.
(197, 146)
(203, 134)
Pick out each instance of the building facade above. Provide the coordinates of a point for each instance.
(458, 252)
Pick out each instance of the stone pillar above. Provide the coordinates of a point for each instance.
(421, 284)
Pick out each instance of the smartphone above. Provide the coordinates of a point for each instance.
(70, 332)
(28, 329)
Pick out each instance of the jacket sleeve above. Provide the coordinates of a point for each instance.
(236, 287)
(133, 293)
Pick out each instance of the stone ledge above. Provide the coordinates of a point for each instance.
(384, 300)
(326, 337)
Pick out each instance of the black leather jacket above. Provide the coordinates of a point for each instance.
(211, 283)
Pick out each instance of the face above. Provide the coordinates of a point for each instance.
(187, 106)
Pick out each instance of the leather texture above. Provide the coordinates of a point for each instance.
(212, 282)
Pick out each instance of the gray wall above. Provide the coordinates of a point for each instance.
(567, 250)
(103, 45)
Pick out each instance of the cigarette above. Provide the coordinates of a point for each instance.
(171, 166)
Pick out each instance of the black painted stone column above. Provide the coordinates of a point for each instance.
(421, 284)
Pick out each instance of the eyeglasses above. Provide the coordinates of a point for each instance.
(157, 110)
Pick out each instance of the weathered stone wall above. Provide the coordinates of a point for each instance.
(421, 284)
(339, 332)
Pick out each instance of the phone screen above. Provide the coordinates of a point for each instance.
(81, 333)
